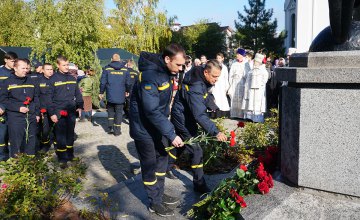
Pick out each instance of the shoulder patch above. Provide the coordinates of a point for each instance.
(147, 86)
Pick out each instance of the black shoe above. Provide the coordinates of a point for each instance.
(117, 134)
(170, 174)
(169, 200)
(161, 210)
(111, 130)
(63, 164)
(201, 188)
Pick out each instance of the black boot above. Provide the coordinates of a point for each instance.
(161, 210)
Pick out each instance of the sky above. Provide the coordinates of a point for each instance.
(223, 12)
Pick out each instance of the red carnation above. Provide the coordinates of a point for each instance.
(26, 103)
(263, 187)
(232, 134)
(43, 110)
(243, 167)
(4, 186)
(232, 142)
(261, 166)
(240, 200)
(63, 113)
(261, 174)
(270, 181)
(28, 99)
(241, 124)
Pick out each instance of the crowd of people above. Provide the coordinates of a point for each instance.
(164, 103)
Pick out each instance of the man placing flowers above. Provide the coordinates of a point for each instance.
(22, 106)
(66, 101)
(189, 108)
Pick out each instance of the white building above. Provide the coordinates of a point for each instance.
(304, 19)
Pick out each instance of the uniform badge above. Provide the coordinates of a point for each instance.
(148, 86)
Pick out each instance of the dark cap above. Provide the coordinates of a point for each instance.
(241, 51)
(37, 64)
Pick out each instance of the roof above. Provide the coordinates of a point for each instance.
(105, 54)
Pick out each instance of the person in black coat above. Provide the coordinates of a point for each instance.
(21, 98)
(134, 76)
(149, 123)
(5, 72)
(66, 100)
(189, 109)
(115, 80)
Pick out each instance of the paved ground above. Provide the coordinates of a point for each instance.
(110, 161)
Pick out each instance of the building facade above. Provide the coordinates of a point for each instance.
(304, 20)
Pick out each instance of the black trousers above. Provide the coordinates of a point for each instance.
(153, 161)
(65, 137)
(196, 154)
(127, 106)
(46, 127)
(4, 150)
(115, 116)
(19, 143)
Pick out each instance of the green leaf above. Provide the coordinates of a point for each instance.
(240, 173)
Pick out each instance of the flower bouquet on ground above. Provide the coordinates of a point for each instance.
(228, 199)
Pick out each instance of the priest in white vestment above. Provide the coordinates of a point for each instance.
(237, 77)
(254, 103)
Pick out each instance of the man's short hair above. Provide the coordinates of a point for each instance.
(10, 55)
(61, 58)
(21, 60)
(46, 64)
(172, 50)
(220, 55)
(213, 64)
(115, 57)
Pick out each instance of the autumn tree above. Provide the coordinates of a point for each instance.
(257, 31)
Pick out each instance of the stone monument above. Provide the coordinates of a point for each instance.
(320, 110)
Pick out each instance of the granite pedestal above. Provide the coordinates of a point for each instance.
(320, 121)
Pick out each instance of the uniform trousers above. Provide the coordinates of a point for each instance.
(46, 127)
(153, 162)
(4, 150)
(115, 116)
(65, 136)
(20, 142)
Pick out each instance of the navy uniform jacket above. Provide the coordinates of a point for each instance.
(115, 80)
(44, 92)
(150, 100)
(190, 106)
(134, 76)
(15, 90)
(35, 76)
(64, 93)
(4, 74)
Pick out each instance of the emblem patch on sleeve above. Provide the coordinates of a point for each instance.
(147, 86)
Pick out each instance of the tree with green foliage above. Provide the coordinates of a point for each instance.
(202, 38)
(136, 25)
(257, 31)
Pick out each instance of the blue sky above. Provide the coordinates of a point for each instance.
(223, 12)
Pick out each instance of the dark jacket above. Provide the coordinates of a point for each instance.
(44, 92)
(64, 93)
(115, 80)
(15, 91)
(190, 106)
(4, 74)
(150, 100)
(134, 76)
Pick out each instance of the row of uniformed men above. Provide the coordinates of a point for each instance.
(29, 101)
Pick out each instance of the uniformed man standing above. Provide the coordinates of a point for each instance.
(22, 107)
(5, 72)
(45, 102)
(115, 80)
(149, 124)
(134, 76)
(66, 101)
(189, 109)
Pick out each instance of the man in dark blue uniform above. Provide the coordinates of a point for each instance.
(5, 72)
(134, 76)
(189, 109)
(45, 102)
(115, 80)
(66, 100)
(22, 107)
(149, 124)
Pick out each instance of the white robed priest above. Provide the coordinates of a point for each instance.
(254, 103)
(220, 89)
(237, 77)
